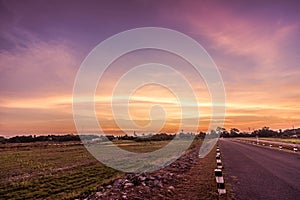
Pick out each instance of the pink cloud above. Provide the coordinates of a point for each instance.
(227, 30)
(36, 88)
(254, 55)
(41, 69)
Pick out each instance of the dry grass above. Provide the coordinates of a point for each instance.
(286, 140)
(51, 171)
(64, 171)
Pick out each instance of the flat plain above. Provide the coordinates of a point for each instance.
(56, 170)
(66, 170)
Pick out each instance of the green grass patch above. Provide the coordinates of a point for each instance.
(48, 171)
(286, 140)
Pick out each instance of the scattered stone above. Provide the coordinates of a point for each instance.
(171, 187)
(159, 177)
(98, 194)
(157, 183)
(117, 183)
(142, 178)
(127, 185)
(100, 188)
(147, 190)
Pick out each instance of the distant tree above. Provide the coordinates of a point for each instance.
(234, 132)
(155, 137)
(201, 135)
(222, 132)
(265, 132)
(2, 139)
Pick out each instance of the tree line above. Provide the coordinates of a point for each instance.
(263, 132)
(95, 138)
(219, 132)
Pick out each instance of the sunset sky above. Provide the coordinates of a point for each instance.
(255, 45)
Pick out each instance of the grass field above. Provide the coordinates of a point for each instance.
(286, 140)
(55, 171)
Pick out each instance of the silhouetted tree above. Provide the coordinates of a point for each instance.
(234, 132)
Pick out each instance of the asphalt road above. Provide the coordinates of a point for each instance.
(260, 173)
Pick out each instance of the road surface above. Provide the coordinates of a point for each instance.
(260, 173)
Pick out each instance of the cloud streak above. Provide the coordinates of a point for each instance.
(255, 47)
